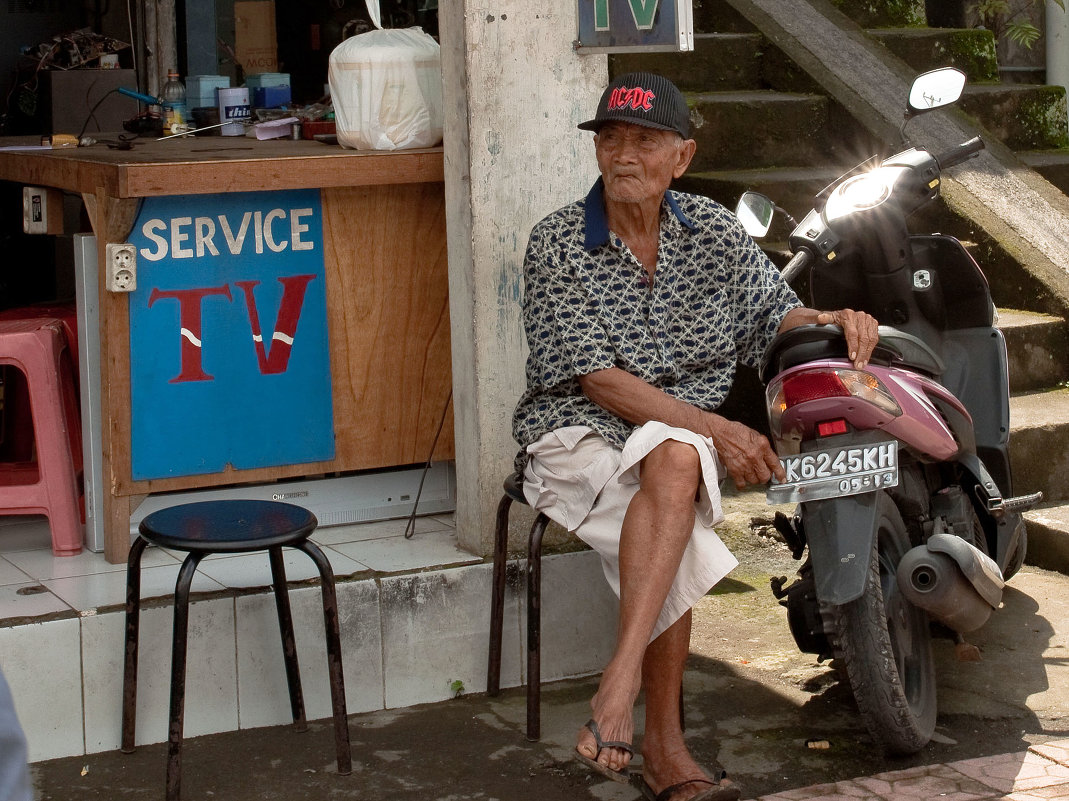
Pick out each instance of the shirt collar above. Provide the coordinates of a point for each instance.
(597, 223)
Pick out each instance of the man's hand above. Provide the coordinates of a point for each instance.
(860, 329)
(748, 456)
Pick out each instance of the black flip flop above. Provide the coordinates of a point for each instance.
(715, 793)
(622, 775)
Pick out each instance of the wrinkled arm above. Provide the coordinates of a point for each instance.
(748, 456)
(859, 328)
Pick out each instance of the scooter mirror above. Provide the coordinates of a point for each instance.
(755, 213)
(935, 89)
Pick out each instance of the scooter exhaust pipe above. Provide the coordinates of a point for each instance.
(952, 581)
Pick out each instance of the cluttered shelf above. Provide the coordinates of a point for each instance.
(210, 164)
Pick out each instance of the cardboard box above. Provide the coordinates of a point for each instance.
(255, 40)
(271, 96)
(265, 79)
(204, 86)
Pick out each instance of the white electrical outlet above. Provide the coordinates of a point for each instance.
(121, 267)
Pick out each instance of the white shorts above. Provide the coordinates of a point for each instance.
(585, 484)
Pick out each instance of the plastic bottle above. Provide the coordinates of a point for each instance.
(175, 111)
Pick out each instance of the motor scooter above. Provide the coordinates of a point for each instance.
(900, 472)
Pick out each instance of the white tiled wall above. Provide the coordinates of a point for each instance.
(42, 663)
(263, 695)
(406, 636)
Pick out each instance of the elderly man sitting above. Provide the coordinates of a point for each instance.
(638, 303)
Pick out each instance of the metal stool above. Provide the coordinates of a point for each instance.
(514, 492)
(232, 526)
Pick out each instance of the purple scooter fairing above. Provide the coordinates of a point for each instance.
(918, 423)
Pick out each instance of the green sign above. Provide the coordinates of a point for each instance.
(629, 26)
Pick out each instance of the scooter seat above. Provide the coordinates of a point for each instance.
(909, 351)
(807, 343)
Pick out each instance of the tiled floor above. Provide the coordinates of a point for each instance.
(1041, 772)
(34, 583)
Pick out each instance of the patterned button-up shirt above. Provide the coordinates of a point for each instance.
(588, 305)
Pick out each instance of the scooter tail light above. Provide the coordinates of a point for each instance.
(868, 387)
(831, 427)
(823, 383)
(812, 385)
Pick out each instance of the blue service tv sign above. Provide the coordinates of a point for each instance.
(635, 26)
(229, 354)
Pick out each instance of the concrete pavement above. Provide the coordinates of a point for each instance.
(752, 703)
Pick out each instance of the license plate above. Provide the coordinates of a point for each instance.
(835, 472)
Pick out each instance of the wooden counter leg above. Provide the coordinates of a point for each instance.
(116, 515)
(112, 218)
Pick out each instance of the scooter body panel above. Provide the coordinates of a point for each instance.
(922, 426)
(840, 533)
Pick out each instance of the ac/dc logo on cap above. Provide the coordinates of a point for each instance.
(636, 98)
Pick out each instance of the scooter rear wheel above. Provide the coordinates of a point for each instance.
(885, 645)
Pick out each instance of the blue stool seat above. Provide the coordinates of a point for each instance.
(230, 526)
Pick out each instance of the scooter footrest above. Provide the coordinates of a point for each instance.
(1022, 503)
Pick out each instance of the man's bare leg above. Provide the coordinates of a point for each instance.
(665, 758)
(655, 533)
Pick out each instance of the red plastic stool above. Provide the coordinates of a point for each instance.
(16, 424)
(49, 486)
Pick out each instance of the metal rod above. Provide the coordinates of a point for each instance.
(192, 131)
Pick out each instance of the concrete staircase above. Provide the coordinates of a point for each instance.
(762, 123)
(1039, 429)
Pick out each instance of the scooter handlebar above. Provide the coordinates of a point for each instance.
(960, 153)
(800, 260)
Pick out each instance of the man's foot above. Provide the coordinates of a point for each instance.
(620, 774)
(606, 739)
(697, 789)
(670, 773)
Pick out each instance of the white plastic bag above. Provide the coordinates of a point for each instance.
(386, 86)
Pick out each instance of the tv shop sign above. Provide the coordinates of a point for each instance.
(229, 354)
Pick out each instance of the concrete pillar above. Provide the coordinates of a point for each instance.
(514, 91)
(1057, 45)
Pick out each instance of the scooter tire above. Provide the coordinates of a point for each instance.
(884, 644)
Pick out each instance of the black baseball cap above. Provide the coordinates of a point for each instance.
(642, 98)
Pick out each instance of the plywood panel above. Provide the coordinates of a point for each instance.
(388, 312)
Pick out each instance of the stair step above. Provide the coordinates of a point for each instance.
(792, 188)
(1022, 116)
(1048, 537)
(1051, 164)
(899, 13)
(719, 62)
(716, 16)
(1038, 345)
(971, 50)
(758, 129)
(1039, 443)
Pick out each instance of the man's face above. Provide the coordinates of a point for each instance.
(639, 163)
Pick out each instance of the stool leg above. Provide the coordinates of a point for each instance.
(497, 596)
(178, 674)
(334, 664)
(534, 628)
(133, 616)
(289, 645)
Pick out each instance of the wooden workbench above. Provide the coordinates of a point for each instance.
(384, 250)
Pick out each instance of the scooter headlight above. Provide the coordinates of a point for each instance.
(862, 192)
